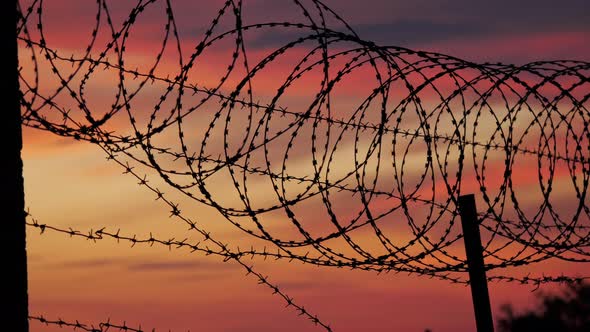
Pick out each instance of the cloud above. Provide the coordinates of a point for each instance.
(151, 265)
(386, 22)
(412, 32)
(89, 263)
(302, 285)
(406, 23)
(193, 265)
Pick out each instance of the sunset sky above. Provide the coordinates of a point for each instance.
(71, 184)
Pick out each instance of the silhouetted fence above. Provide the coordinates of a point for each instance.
(381, 141)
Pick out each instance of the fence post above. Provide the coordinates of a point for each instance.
(15, 294)
(477, 273)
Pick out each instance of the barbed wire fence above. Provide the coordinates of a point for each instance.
(381, 141)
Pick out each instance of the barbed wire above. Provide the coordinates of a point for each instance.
(78, 326)
(172, 243)
(377, 141)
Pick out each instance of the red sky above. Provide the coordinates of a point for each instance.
(71, 184)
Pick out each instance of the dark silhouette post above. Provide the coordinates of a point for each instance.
(477, 272)
(14, 275)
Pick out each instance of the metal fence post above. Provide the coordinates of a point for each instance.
(477, 273)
